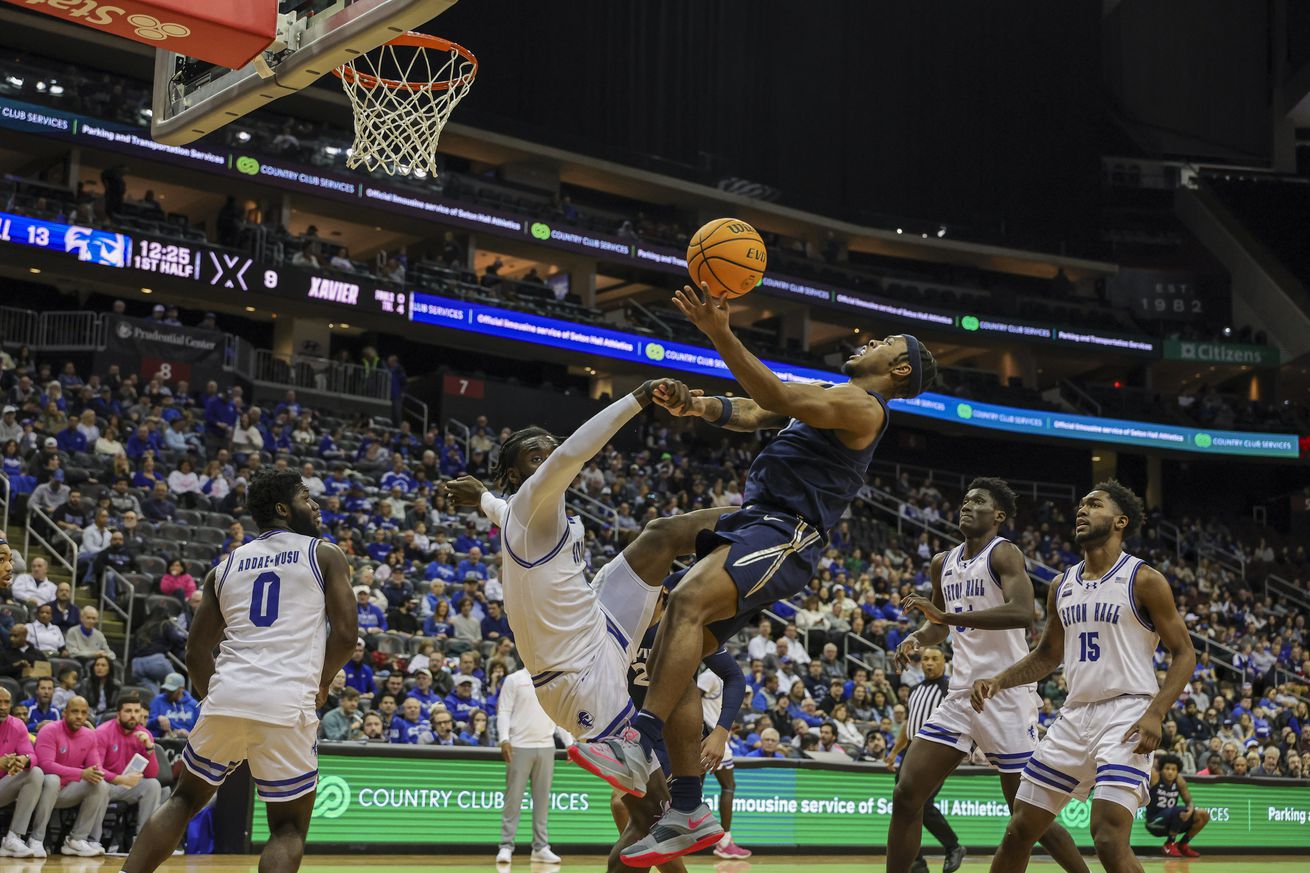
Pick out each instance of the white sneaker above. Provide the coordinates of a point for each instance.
(37, 847)
(504, 856)
(95, 846)
(81, 848)
(545, 856)
(13, 847)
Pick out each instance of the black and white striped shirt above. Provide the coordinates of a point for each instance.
(924, 699)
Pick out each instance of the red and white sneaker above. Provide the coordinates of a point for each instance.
(1171, 850)
(731, 851)
(1186, 850)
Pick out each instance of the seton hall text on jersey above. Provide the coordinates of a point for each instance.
(964, 588)
(1101, 612)
(262, 561)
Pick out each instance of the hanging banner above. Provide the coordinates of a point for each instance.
(170, 352)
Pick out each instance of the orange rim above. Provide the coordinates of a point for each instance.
(414, 40)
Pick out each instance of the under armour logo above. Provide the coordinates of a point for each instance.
(229, 270)
(149, 27)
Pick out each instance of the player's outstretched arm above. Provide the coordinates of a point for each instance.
(343, 617)
(1154, 600)
(1017, 612)
(1038, 664)
(738, 413)
(844, 408)
(931, 633)
(206, 633)
(539, 503)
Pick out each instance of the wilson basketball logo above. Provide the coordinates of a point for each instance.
(149, 27)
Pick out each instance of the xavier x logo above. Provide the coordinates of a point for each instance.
(229, 270)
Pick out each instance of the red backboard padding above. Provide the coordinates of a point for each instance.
(226, 32)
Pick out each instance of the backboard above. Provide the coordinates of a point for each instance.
(193, 98)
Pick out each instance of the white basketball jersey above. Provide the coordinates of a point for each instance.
(1109, 644)
(270, 592)
(969, 585)
(550, 605)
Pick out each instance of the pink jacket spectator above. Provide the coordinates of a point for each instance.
(65, 754)
(118, 746)
(184, 585)
(15, 740)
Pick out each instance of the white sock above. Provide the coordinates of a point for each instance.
(726, 838)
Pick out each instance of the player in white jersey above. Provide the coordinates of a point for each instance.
(281, 613)
(578, 638)
(1105, 618)
(982, 599)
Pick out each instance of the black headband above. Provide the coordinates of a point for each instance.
(915, 354)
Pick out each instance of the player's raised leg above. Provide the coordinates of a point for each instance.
(925, 768)
(1056, 840)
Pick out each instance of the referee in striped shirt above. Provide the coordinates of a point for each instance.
(923, 700)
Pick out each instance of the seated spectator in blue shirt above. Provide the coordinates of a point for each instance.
(423, 691)
(438, 626)
(40, 706)
(331, 512)
(496, 625)
(408, 725)
(157, 506)
(451, 458)
(221, 415)
(70, 439)
(359, 675)
(380, 547)
(396, 590)
(174, 711)
(139, 443)
(357, 501)
(372, 620)
(290, 405)
(469, 540)
(461, 702)
(338, 484)
(398, 475)
(385, 519)
(472, 592)
(472, 564)
(768, 745)
(236, 533)
(442, 568)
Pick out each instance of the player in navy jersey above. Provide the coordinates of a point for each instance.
(1166, 816)
(982, 599)
(797, 489)
(1105, 618)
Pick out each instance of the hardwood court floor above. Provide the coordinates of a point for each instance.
(594, 864)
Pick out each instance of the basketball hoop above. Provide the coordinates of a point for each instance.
(402, 93)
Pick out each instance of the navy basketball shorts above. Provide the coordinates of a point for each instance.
(1167, 821)
(772, 555)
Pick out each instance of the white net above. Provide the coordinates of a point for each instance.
(402, 94)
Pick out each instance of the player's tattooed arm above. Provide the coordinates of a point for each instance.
(744, 414)
(1038, 664)
(1007, 563)
(1153, 598)
(931, 633)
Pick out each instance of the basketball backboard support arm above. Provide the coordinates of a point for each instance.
(191, 101)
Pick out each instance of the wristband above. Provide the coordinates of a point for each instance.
(726, 415)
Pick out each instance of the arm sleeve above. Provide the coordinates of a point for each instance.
(505, 711)
(494, 508)
(725, 666)
(539, 505)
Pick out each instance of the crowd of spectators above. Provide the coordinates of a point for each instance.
(149, 479)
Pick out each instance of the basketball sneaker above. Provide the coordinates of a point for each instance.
(14, 847)
(1186, 850)
(620, 761)
(1172, 851)
(954, 860)
(731, 850)
(37, 847)
(505, 855)
(81, 848)
(675, 834)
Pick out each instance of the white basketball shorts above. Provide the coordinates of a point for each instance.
(1005, 731)
(1084, 753)
(283, 760)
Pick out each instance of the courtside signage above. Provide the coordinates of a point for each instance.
(391, 800)
(456, 314)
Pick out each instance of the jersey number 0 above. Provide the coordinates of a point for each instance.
(263, 599)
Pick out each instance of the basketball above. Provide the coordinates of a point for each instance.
(728, 255)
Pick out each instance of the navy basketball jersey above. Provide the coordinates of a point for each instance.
(1164, 796)
(638, 677)
(810, 472)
